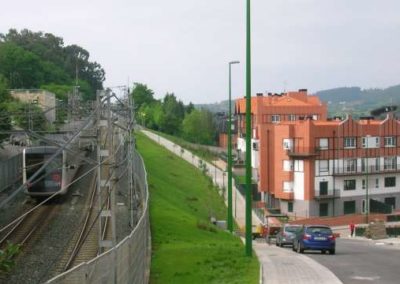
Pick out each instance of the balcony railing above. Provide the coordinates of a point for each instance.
(302, 152)
(326, 194)
(342, 171)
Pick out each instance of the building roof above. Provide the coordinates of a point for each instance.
(289, 99)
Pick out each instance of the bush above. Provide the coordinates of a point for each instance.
(393, 231)
(393, 218)
(7, 257)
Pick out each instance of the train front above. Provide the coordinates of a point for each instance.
(49, 180)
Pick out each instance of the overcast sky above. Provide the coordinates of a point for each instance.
(184, 46)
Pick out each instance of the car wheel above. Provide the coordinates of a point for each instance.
(323, 251)
(332, 251)
(293, 247)
(277, 243)
(299, 249)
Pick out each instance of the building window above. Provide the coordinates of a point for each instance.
(287, 186)
(323, 144)
(275, 118)
(290, 206)
(363, 206)
(299, 166)
(370, 142)
(350, 184)
(377, 183)
(292, 117)
(350, 165)
(287, 165)
(364, 184)
(349, 207)
(255, 146)
(323, 165)
(390, 141)
(349, 142)
(377, 164)
(390, 181)
(323, 188)
(389, 163)
(363, 164)
(391, 201)
(287, 144)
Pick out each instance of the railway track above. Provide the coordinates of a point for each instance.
(84, 246)
(26, 228)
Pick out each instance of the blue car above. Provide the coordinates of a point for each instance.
(315, 237)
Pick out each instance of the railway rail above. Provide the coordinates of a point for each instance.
(84, 246)
(26, 228)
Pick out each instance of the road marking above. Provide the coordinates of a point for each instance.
(373, 278)
(379, 244)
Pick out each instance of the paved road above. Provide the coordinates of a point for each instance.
(362, 261)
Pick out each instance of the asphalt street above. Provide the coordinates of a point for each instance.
(362, 261)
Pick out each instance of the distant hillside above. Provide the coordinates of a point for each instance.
(216, 107)
(340, 94)
(353, 100)
(354, 94)
(359, 102)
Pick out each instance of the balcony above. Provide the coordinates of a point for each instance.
(327, 194)
(302, 152)
(350, 171)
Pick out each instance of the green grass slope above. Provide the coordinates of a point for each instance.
(186, 247)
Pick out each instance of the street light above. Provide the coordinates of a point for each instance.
(248, 248)
(230, 221)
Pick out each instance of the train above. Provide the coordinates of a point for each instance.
(57, 175)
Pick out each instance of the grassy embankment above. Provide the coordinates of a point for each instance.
(186, 247)
(201, 152)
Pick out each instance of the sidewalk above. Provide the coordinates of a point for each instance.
(285, 266)
(277, 265)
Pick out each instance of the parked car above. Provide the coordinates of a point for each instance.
(315, 237)
(286, 234)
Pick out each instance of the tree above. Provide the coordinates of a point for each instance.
(141, 94)
(174, 112)
(22, 67)
(5, 121)
(199, 127)
(189, 108)
(53, 62)
(27, 115)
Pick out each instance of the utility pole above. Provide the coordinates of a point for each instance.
(248, 133)
(105, 173)
(131, 149)
(230, 221)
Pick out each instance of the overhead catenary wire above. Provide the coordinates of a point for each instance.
(105, 161)
(5, 201)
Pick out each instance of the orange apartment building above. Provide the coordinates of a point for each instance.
(307, 165)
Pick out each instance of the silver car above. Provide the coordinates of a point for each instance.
(287, 234)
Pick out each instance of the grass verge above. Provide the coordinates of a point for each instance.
(187, 248)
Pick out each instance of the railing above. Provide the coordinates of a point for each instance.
(302, 152)
(325, 194)
(366, 170)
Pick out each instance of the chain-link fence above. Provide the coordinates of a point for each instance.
(10, 171)
(127, 262)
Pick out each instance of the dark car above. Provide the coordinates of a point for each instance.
(287, 234)
(315, 237)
